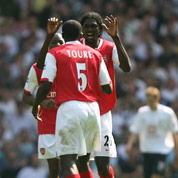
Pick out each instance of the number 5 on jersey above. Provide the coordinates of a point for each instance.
(82, 84)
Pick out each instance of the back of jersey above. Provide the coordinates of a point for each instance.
(77, 72)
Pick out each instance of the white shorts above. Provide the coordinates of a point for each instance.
(77, 128)
(46, 146)
(108, 146)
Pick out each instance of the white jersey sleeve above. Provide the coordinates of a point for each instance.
(31, 81)
(49, 71)
(173, 124)
(104, 77)
(115, 56)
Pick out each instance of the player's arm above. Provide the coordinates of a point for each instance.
(30, 86)
(52, 27)
(175, 137)
(124, 60)
(104, 79)
(30, 100)
(133, 138)
(174, 130)
(135, 130)
(47, 78)
(42, 92)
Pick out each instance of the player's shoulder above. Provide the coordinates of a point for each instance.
(143, 109)
(94, 51)
(56, 49)
(165, 108)
(107, 43)
(34, 65)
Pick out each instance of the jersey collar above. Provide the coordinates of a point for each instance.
(73, 42)
(100, 43)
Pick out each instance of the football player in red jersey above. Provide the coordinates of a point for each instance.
(113, 53)
(46, 127)
(79, 71)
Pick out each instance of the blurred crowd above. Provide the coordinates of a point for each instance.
(149, 32)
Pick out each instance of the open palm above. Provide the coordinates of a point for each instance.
(112, 27)
(53, 25)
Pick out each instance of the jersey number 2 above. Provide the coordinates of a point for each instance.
(83, 84)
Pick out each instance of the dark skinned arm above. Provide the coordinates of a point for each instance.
(43, 51)
(41, 95)
(28, 99)
(107, 89)
(175, 137)
(52, 27)
(124, 59)
(122, 54)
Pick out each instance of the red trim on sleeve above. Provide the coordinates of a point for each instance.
(44, 79)
(27, 92)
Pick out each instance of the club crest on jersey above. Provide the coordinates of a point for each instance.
(42, 151)
(105, 58)
(152, 129)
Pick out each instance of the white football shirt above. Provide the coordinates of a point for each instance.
(154, 129)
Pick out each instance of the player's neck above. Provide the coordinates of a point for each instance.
(94, 44)
(154, 107)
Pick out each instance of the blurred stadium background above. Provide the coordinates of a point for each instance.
(149, 32)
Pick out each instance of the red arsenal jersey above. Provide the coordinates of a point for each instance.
(77, 71)
(108, 51)
(47, 126)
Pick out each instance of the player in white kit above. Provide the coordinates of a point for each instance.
(153, 125)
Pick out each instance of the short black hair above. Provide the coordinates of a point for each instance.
(71, 30)
(92, 15)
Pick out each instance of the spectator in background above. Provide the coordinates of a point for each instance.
(153, 125)
(34, 169)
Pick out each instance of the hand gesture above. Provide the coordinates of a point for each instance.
(112, 28)
(53, 25)
(35, 112)
(49, 104)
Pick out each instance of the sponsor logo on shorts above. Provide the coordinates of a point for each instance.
(42, 151)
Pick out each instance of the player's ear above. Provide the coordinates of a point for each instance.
(81, 35)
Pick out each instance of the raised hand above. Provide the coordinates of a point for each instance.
(53, 25)
(112, 27)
